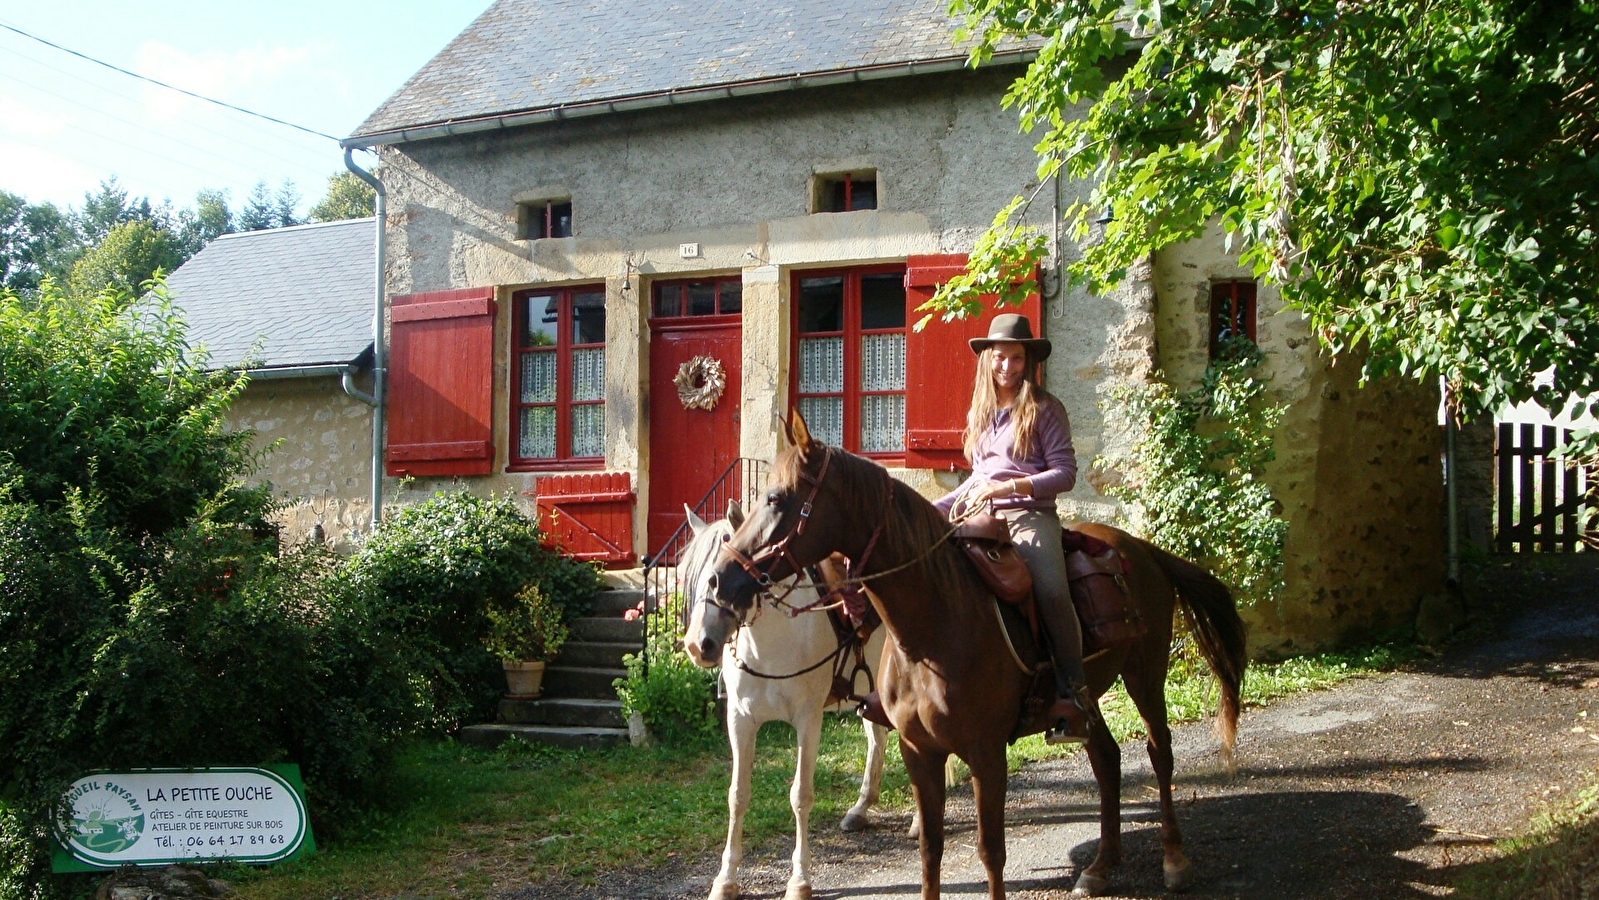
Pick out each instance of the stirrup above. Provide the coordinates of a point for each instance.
(1069, 722)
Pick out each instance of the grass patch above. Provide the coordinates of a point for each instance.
(471, 824)
(1559, 858)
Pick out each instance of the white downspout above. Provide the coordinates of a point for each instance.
(379, 373)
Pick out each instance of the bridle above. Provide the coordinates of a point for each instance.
(769, 555)
(760, 564)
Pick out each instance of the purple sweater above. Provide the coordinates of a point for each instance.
(1050, 465)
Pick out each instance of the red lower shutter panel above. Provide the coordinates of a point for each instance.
(588, 516)
(440, 390)
(940, 366)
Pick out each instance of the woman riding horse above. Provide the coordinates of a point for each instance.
(1019, 443)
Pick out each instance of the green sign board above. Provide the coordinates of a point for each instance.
(157, 817)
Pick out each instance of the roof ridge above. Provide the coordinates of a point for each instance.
(303, 227)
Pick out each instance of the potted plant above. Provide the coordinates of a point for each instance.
(525, 634)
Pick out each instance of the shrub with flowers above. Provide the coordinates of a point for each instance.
(675, 698)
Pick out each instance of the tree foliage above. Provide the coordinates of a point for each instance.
(32, 238)
(348, 197)
(1418, 175)
(124, 239)
(131, 254)
(265, 209)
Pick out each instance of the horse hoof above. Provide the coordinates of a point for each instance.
(797, 892)
(724, 890)
(1179, 876)
(854, 821)
(1090, 885)
(915, 831)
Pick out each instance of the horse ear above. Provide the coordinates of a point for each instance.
(788, 430)
(695, 523)
(798, 434)
(735, 513)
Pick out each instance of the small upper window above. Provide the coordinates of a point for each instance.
(845, 191)
(544, 219)
(709, 297)
(1232, 312)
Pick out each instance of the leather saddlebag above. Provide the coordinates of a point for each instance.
(986, 540)
(1104, 606)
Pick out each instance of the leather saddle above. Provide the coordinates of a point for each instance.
(1096, 574)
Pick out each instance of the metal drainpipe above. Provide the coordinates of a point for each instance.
(1046, 297)
(379, 373)
(1451, 493)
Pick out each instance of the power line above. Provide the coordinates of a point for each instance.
(301, 166)
(98, 62)
(281, 139)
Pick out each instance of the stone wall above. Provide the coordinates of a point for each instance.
(1358, 469)
(735, 178)
(318, 454)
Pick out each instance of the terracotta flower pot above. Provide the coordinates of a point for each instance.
(524, 679)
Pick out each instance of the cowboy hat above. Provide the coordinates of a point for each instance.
(1015, 329)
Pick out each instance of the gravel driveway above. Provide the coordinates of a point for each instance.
(1381, 787)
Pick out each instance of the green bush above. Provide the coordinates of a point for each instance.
(1194, 476)
(433, 571)
(146, 616)
(675, 698)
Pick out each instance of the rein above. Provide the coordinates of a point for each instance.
(751, 564)
(851, 639)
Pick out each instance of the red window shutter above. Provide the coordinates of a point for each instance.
(939, 365)
(588, 516)
(440, 387)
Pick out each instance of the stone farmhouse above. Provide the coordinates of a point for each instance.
(591, 204)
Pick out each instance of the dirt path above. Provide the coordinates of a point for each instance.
(1382, 787)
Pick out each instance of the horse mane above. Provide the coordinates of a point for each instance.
(912, 526)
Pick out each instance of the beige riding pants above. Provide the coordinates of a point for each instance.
(1036, 533)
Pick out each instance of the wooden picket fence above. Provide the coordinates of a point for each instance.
(1542, 501)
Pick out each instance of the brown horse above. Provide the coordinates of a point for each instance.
(948, 682)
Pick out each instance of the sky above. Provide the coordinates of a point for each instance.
(67, 124)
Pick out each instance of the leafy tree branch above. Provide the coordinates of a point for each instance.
(1419, 178)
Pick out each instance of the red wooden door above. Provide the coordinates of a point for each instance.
(689, 448)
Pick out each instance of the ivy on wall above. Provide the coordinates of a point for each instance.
(1192, 480)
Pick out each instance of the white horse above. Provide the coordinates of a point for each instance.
(771, 644)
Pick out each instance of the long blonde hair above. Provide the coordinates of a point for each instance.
(985, 405)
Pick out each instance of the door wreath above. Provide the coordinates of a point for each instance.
(700, 383)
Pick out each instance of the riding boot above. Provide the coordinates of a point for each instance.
(1071, 713)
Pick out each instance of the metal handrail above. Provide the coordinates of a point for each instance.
(741, 480)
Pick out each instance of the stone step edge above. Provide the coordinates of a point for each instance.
(618, 673)
(585, 702)
(550, 729)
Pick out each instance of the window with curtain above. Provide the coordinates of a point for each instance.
(849, 357)
(558, 377)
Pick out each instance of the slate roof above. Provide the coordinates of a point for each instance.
(525, 55)
(305, 291)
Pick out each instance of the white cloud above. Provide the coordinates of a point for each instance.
(234, 77)
(45, 174)
(19, 118)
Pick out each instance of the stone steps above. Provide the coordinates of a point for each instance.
(578, 706)
(608, 630)
(568, 711)
(582, 682)
(603, 655)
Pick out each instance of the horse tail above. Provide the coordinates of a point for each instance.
(1213, 618)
